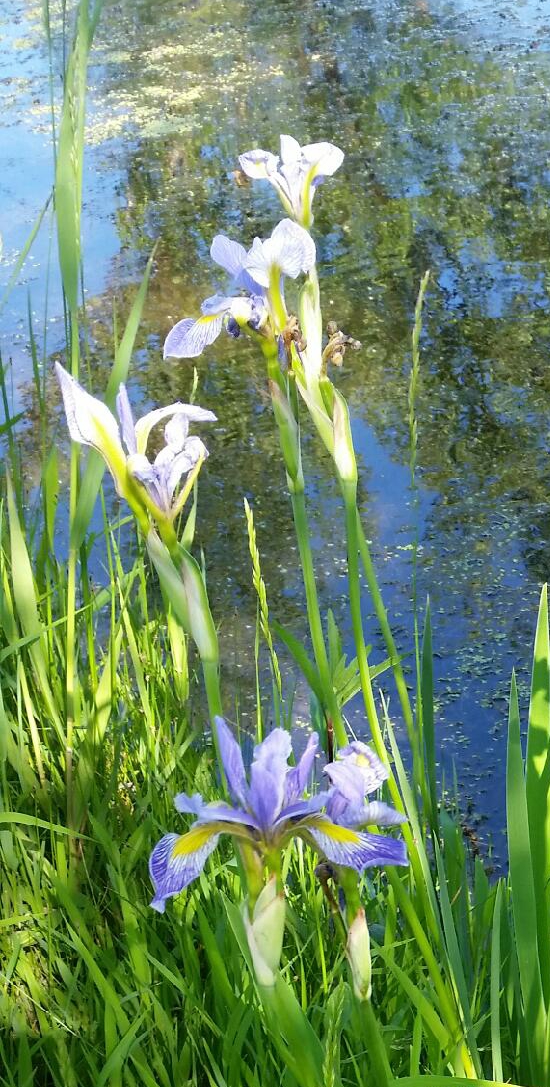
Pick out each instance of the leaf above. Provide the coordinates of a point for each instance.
(304, 663)
(95, 466)
(537, 786)
(524, 904)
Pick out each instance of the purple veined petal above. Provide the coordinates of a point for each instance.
(292, 177)
(277, 745)
(176, 431)
(297, 776)
(258, 164)
(189, 805)
(89, 420)
(267, 790)
(216, 304)
(246, 282)
(183, 463)
(177, 860)
(293, 248)
(148, 475)
(267, 776)
(224, 813)
(373, 770)
(348, 780)
(257, 263)
(195, 414)
(228, 254)
(126, 419)
(189, 338)
(300, 809)
(232, 759)
(354, 848)
(145, 425)
(376, 814)
(325, 158)
(290, 150)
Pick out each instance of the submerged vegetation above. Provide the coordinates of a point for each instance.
(290, 941)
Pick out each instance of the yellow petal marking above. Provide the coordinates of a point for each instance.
(195, 839)
(362, 760)
(336, 832)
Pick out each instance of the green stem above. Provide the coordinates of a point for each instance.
(314, 615)
(211, 673)
(71, 680)
(381, 615)
(349, 491)
(377, 1051)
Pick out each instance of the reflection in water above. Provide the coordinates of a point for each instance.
(442, 110)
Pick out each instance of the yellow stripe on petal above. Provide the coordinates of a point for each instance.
(336, 832)
(195, 839)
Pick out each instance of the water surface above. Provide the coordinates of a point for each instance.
(442, 109)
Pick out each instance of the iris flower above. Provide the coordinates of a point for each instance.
(295, 174)
(90, 422)
(288, 252)
(268, 809)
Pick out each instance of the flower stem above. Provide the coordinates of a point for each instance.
(349, 491)
(381, 615)
(376, 1048)
(71, 678)
(314, 615)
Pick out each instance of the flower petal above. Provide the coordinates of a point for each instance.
(347, 780)
(301, 808)
(192, 412)
(376, 814)
(91, 423)
(189, 805)
(184, 462)
(148, 475)
(355, 849)
(258, 164)
(373, 770)
(290, 149)
(126, 419)
(326, 158)
(176, 431)
(89, 420)
(266, 794)
(177, 860)
(213, 811)
(228, 254)
(294, 247)
(297, 776)
(267, 777)
(188, 338)
(216, 303)
(232, 759)
(277, 745)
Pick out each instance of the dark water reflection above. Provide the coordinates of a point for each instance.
(442, 110)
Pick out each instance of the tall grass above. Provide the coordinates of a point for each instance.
(99, 728)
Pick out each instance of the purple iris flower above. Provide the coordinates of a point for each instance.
(295, 173)
(288, 252)
(267, 810)
(180, 455)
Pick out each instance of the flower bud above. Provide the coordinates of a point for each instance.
(344, 455)
(359, 958)
(265, 933)
(184, 588)
(288, 433)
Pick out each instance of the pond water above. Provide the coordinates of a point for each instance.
(442, 109)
